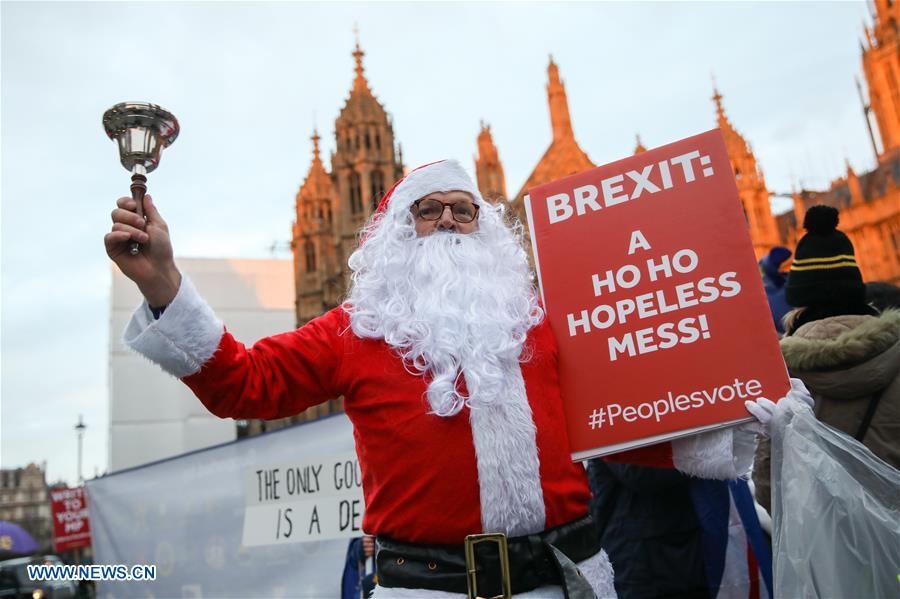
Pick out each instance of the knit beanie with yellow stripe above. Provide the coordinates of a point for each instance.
(824, 271)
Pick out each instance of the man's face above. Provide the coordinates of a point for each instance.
(457, 206)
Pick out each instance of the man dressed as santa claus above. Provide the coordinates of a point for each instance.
(449, 375)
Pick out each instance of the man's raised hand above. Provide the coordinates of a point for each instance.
(153, 268)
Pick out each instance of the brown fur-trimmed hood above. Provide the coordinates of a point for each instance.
(846, 355)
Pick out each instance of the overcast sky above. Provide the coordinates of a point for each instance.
(249, 81)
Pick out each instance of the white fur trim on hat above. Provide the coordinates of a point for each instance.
(183, 339)
(446, 175)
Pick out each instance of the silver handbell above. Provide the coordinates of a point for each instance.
(141, 131)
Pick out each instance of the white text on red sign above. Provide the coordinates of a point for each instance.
(627, 186)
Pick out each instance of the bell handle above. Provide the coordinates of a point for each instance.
(138, 190)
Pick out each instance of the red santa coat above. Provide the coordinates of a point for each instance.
(421, 479)
(420, 476)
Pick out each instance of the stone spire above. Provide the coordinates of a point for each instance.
(742, 157)
(311, 238)
(317, 185)
(639, 147)
(360, 83)
(720, 111)
(563, 157)
(881, 64)
(750, 183)
(488, 168)
(364, 164)
(559, 104)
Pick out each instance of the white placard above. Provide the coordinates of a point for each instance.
(186, 515)
(299, 501)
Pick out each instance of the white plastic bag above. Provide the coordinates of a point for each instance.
(836, 512)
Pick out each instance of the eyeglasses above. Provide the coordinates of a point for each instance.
(432, 209)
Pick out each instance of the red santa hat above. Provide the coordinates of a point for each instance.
(444, 175)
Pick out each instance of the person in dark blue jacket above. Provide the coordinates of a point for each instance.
(671, 535)
(773, 281)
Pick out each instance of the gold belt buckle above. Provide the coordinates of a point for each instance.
(502, 549)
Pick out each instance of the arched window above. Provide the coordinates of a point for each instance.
(377, 187)
(368, 141)
(355, 193)
(309, 251)
(377, 140)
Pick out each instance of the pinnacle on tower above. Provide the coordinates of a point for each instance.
(559, 104)
(315, 139)
(639, 147)
(360, 82)
(488, 168)
(720, 111)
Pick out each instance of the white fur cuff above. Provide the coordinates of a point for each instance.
(183, 339)
(724, 454)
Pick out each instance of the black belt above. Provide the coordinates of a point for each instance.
(533, 561)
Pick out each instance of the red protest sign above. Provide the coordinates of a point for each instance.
(654, 295)
(71, 527)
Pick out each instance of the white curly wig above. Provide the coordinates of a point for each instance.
(450, 304)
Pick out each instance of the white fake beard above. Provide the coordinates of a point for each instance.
(450, 304)
(453, 305)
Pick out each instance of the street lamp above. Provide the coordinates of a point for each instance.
(79, 430)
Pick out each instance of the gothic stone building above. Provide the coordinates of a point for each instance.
(332, 204)
(869, 203)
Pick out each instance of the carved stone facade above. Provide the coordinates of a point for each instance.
(881, 65)
(750, 183)
(869, 203)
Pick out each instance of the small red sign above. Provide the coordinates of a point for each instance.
(653, 293)
(71, 527)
